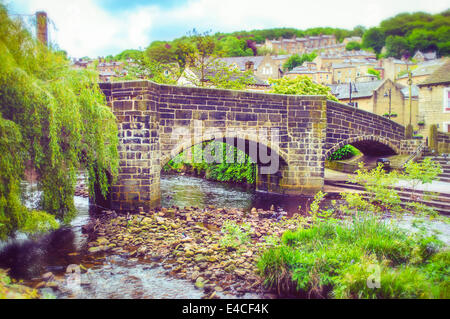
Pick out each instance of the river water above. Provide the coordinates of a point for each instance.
(110, 276)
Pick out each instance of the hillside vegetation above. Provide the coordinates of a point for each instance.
(401, 35)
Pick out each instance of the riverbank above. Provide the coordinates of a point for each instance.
(188, 244)
(10, 289)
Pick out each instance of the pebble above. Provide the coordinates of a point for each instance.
(187, 244)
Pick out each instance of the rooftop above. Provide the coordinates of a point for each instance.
(425, 68)
(240, 61)
(359, 89)
(440, 76)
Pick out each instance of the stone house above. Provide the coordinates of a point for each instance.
(373, 96)
(434, 102)
(344, 73)
(81, 64)
(421, 72)
(301, 45)
(325, 61)
(263, 67)
(394, 67)
(359, 54)
(352, 39)
(330, 49)
(422, 57)
(318, 76)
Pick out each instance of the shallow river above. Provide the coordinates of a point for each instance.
(118, 277)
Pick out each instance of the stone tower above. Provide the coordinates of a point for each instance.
(42, 27)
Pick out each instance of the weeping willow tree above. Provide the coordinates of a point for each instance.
(53, 120)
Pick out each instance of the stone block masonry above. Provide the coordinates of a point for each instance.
(156, 122)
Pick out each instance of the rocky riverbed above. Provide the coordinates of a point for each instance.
(187, 244)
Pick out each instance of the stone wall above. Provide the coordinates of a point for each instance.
(431, 108)
(409, 147)
(136, 109)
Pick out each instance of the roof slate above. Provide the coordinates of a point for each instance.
(440, 76)
(363, 89)
(240, 61)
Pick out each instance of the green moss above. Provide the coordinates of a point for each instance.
(409, 131)
(433, 138)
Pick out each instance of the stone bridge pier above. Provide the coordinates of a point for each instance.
(289, 137)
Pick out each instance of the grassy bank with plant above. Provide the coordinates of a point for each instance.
(364, 254)
(362, 258)
(230, 164)
(9, 289)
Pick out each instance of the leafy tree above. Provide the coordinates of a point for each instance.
(145, 68)
(359, 30)
(161, 52)
(374, 72)
(225, 77)
(424, 40)
(266, 51)
(296, 60)
(301, 85)
(206, 68)
(232, 46)
(53, 120)
(397, 46)
(133, 54)
(374, 38)
(351, 46)
(202, 59)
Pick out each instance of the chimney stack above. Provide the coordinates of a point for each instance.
(42, 27)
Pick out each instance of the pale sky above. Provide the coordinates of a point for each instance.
(102, 27)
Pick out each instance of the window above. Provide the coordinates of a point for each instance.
(447, 100)
(446, 127)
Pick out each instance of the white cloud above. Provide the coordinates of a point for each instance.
(244, 14)
(85, 28)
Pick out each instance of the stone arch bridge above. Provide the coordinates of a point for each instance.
(289, 136)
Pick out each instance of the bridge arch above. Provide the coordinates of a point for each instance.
(242, 143)
(269, 174)
(368, 145)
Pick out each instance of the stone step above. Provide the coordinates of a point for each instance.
(439, 202)
(406, 192)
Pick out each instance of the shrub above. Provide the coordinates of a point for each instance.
(336, 259)
(235, 235)
(234, 166)
(344, 153)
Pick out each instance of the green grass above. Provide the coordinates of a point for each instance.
(335, 259)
